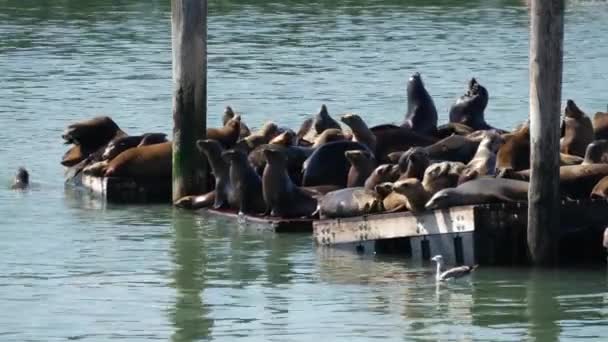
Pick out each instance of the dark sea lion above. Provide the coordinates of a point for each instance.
(282, 197)
(296, 156)
(228, 134)
(391, 138)
(145, 162)
(413, 163)
(349, 202)
(578, 130)
(421, 114)
(320, 122)
(246, 182)
(576, 181)
(484, 160)
(328, 135)
(21, 180)
(469, 108)
(196, 201)
(442, 175)
(93, 133)
(479, 191)
(414, 192)
(224, 191)
(381, 174)
(391, 201)
(328, 165)
(445, 130)
(263, 136)
(229, 114)
(362, 164)
(596, 153)
(118, 145)
(361, 131)
(600, 190)
(515, 152)
(600, 125)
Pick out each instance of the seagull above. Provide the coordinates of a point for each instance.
(452, 273)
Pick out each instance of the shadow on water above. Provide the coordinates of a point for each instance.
(190, 316)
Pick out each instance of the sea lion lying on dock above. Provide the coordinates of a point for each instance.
(349, 202)
(145, 162)
(479, 191)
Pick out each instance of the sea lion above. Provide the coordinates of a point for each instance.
(287, 138)
(391, 138)
(263, 136)
(361, 131)
(305, 126)
(442, 175)
(282, 197)
(414, 192)
(421, 114)
(469, 108)
(578, 130)
(73, 156)
(228, 134)
(596, 152)
(296, 156)
(149, 162)
(196, 201)
(515, 152)
(246, 182)
(21, 180)
(455, 148)
(484, 161)
(600, 125)
(349, 202)
(328, 165)
(320, 122)
(229, 114)
(118, 145)
(328, 135)
(479, 191)
(224, 191)
(362, 164)
(600, 190)
(92, 134)
(391, 201)
(381, 174)
(413, 163)
(445, 130)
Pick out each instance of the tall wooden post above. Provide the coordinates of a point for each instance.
(546, 52)
(189, 43)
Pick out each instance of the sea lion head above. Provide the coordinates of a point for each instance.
(572, 110)
(21, 180)
(407, 187)
(329, 135)
(358, 156)
(442, 199)
(77, 133)
(209, 146)
(353, 120)
(415, 84)
(492, 141)
(269, 130)
(274, 156)
(597, 152)
(415, 155)
(383, 189)
(320, 118)
(235, 156)
(117, 146)
(152, 138)
(287, 138)
(228, 114)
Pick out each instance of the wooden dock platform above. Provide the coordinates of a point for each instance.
(493, 234)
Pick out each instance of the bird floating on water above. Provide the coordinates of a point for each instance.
(452, 273)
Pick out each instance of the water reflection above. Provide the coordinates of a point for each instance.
(190, 316)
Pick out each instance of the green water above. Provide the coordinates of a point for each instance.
(74, 268)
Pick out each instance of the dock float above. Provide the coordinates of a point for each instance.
(490, 234)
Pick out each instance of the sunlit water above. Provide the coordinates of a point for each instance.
(75, 268)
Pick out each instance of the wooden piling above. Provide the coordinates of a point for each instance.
(189, 44)
(546, 55)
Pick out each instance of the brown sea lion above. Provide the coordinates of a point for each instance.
(362, 164)
(576, 181)
(484, 160)
(229, 114)
(421, 114)
(413, 163)
(515, 152)
(21, 180)
(287, 138)
(228, 134)
(263, 136)
(349, 202)
(224, 191)
(328, 135)
(600, 190)
(303, 130)
(361, 131)
(479, 191)
(118, 145)
(578, 130)
(600, 125)
(246, 182)
(93, 133)
(282, 197)
(596, 153)
(381, 174)
(151, 161)
(320, 122)
(442, 175)
(73, 156)
(391, 200)
(328, 165)
(196, 201)
(414, 192)
(469, 108)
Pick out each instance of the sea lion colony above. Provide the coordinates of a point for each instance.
(327, 170)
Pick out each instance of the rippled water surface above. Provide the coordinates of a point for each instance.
(74, 268)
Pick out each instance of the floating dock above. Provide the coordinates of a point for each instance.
(489, 234)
